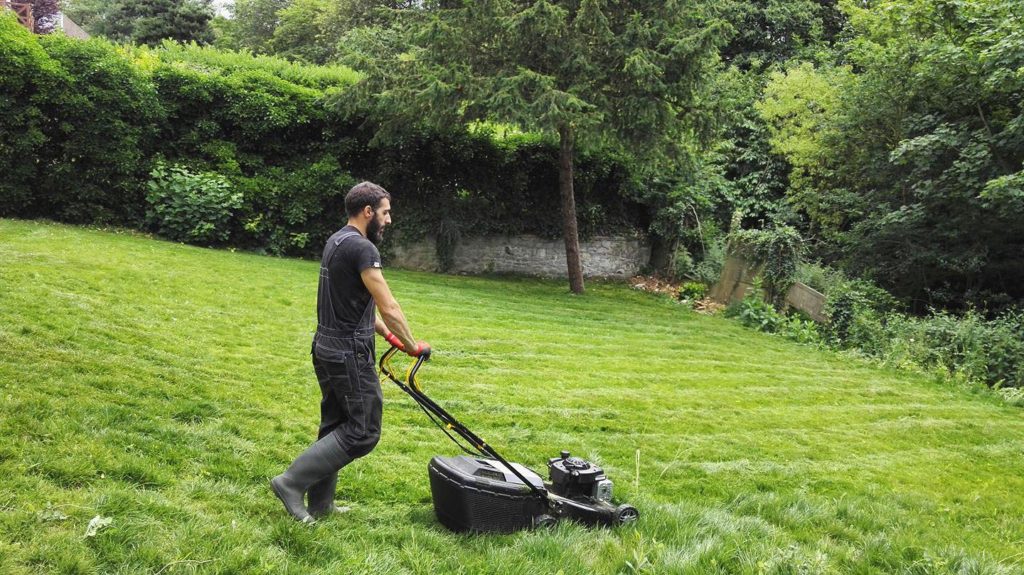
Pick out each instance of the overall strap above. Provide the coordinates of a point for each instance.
(326, 323)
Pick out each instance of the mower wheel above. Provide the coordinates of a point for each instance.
(544, 521)
(626, 514)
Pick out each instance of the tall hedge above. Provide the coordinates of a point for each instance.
(85, 123)
(27, 78)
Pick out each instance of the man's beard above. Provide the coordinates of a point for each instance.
(374, 232)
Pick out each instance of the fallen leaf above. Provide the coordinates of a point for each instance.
(96, 524)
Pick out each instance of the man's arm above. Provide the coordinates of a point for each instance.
(390, 311)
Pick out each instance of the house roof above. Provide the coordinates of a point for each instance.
(71, 28)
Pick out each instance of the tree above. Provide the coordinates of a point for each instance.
(768, 35)
(588, 72)
(46, 14)
(251, 25)
(89, 14)
(305, 31)
(910, 162)
(771, 32)
(145, 21)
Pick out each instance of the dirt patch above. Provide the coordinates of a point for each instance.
(658, 285)
(655, 284)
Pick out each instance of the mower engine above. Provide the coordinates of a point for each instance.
(574, 478)
(580, 491)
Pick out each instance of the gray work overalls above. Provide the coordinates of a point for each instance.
(343, 358)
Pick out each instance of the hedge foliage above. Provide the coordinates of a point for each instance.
(85, 123)
(866, 319)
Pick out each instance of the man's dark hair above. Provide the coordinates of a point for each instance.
(364, 194)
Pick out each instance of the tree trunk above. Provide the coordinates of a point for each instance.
(570, 231)
(663, 255)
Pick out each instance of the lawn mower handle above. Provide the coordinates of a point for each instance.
(447, 422)
(385, 367)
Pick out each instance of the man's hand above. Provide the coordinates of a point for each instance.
(422, 349)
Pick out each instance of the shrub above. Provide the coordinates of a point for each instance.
(292, 210)
(856, 310)
(188, 206)
(88, 118)
(27, 73)
(777, 249)
(866, 318)
(101, 124)
(989, 351)
(693, 291)
(683, 263)
(753, 311)
(709, 270)
(800, 329)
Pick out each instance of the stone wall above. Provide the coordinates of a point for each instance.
(610, 257)
(737, 281)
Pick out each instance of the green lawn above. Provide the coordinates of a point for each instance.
(162, 385)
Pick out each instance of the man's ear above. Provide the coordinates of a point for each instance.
(368, 211)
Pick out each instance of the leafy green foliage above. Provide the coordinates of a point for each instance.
(857, 312)
(303, 32)
(693, 291)
(968, 346)
(755, 311)
(251, 26)
(772, 32)
(778, 250)
(799, 106)
(25, 71)
(213, 62)
(590, 73)
(99, 116)
(145, 21)
(908, 162)
(866, 318)
(188, 206)
(95, 116)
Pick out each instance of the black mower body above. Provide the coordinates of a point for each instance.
(476, 494)
(484, 492)
(485, 495)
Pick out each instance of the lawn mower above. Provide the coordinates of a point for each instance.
(482, 492)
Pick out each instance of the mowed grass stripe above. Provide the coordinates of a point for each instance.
(162, 385)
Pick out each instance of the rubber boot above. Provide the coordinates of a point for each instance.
(321, 497)
(317, 462)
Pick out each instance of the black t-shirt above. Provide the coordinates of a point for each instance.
(348, 294)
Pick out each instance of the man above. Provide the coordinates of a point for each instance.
(351, 286)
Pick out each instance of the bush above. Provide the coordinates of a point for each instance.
(866, 318)
(186, 206)
(27, 74)
(693, 291)
(755, 312)
(88, 118)
(989, 351)
(800, 329)
(778, 249)
(709, 270)
(857, 310)
(292, 210)
(102, 122)
(683, 263)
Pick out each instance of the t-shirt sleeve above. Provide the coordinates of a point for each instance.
(368, 257)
